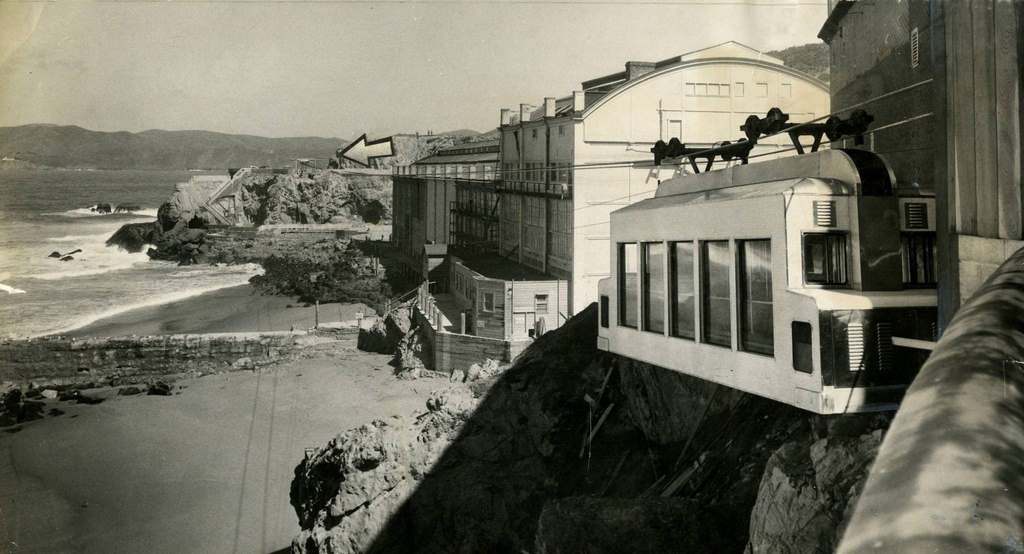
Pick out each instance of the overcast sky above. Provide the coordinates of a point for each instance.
(339, 69)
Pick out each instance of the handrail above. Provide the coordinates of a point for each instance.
(949, 476)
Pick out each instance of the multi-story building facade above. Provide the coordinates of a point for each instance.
(427, 215)
(446, 229)
(569, 162)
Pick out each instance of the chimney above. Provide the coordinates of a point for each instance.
(579, 101)
(524, 113)
(636, 69)
(549, 106)
(506, 116)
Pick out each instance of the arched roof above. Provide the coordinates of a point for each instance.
(686, 63)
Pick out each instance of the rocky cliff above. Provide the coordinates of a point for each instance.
(308, 196)
(505, 465)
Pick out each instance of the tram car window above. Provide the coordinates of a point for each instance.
(684, 315)
(825, 258)
(793, 279)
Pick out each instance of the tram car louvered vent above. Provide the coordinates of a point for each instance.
(915, 48)
(916, 215)
(825, 213)
(883, 334)
(855, 345)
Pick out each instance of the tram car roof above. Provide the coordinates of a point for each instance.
(839, 172)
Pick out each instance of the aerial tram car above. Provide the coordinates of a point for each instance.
(808, 279)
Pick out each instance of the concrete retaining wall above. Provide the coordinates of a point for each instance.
(457, 351)
(67, 359)
(454, 351)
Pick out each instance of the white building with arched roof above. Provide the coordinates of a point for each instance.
(567, 164)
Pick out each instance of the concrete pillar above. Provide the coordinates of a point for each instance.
(506, 116)
(549, 106)
(524, 113)
(462, 323)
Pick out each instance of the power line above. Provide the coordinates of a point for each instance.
(635, 163)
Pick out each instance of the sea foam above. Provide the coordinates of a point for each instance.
(90, 211)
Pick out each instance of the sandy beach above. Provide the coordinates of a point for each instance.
(207, 470)
(232, 309)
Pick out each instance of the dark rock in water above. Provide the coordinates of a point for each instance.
(64, 257)
(103, 208)
(129, 391)
(159, 388)
(133, 236)
(126, 208)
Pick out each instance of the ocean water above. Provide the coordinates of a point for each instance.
(44, 211)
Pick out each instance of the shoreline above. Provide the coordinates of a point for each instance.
(231, 309)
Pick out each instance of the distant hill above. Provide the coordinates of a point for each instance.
(461, 133)
(811, 58)
(72, 146)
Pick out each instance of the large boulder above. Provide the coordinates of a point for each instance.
(413, 354)
(346, 493)
(383, 335)
(808, 490)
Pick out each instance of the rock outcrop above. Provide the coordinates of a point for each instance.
(262, 197)
(384, 334)
(807, 491)
(133, 237)
(469, 475)
(616, 525)
(571, 450)
(413, 354)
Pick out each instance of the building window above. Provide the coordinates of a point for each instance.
(627, 284)
(652, 289)
(713, 89)
(702, 89)
(690, 89)
(716, 326)
(761, 89)
(561, 130)
(918, 253)
(725, 90)
(785, 90)
(604, 311)
(540, 303)
(488, 301)
(533, 133)
(803, 359)
(738, 89)
(683, 315)
(755, 297)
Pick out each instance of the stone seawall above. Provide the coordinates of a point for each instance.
(68, 360)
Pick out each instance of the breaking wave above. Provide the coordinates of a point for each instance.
(149, 302)
(10, 290)
(91, 212)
